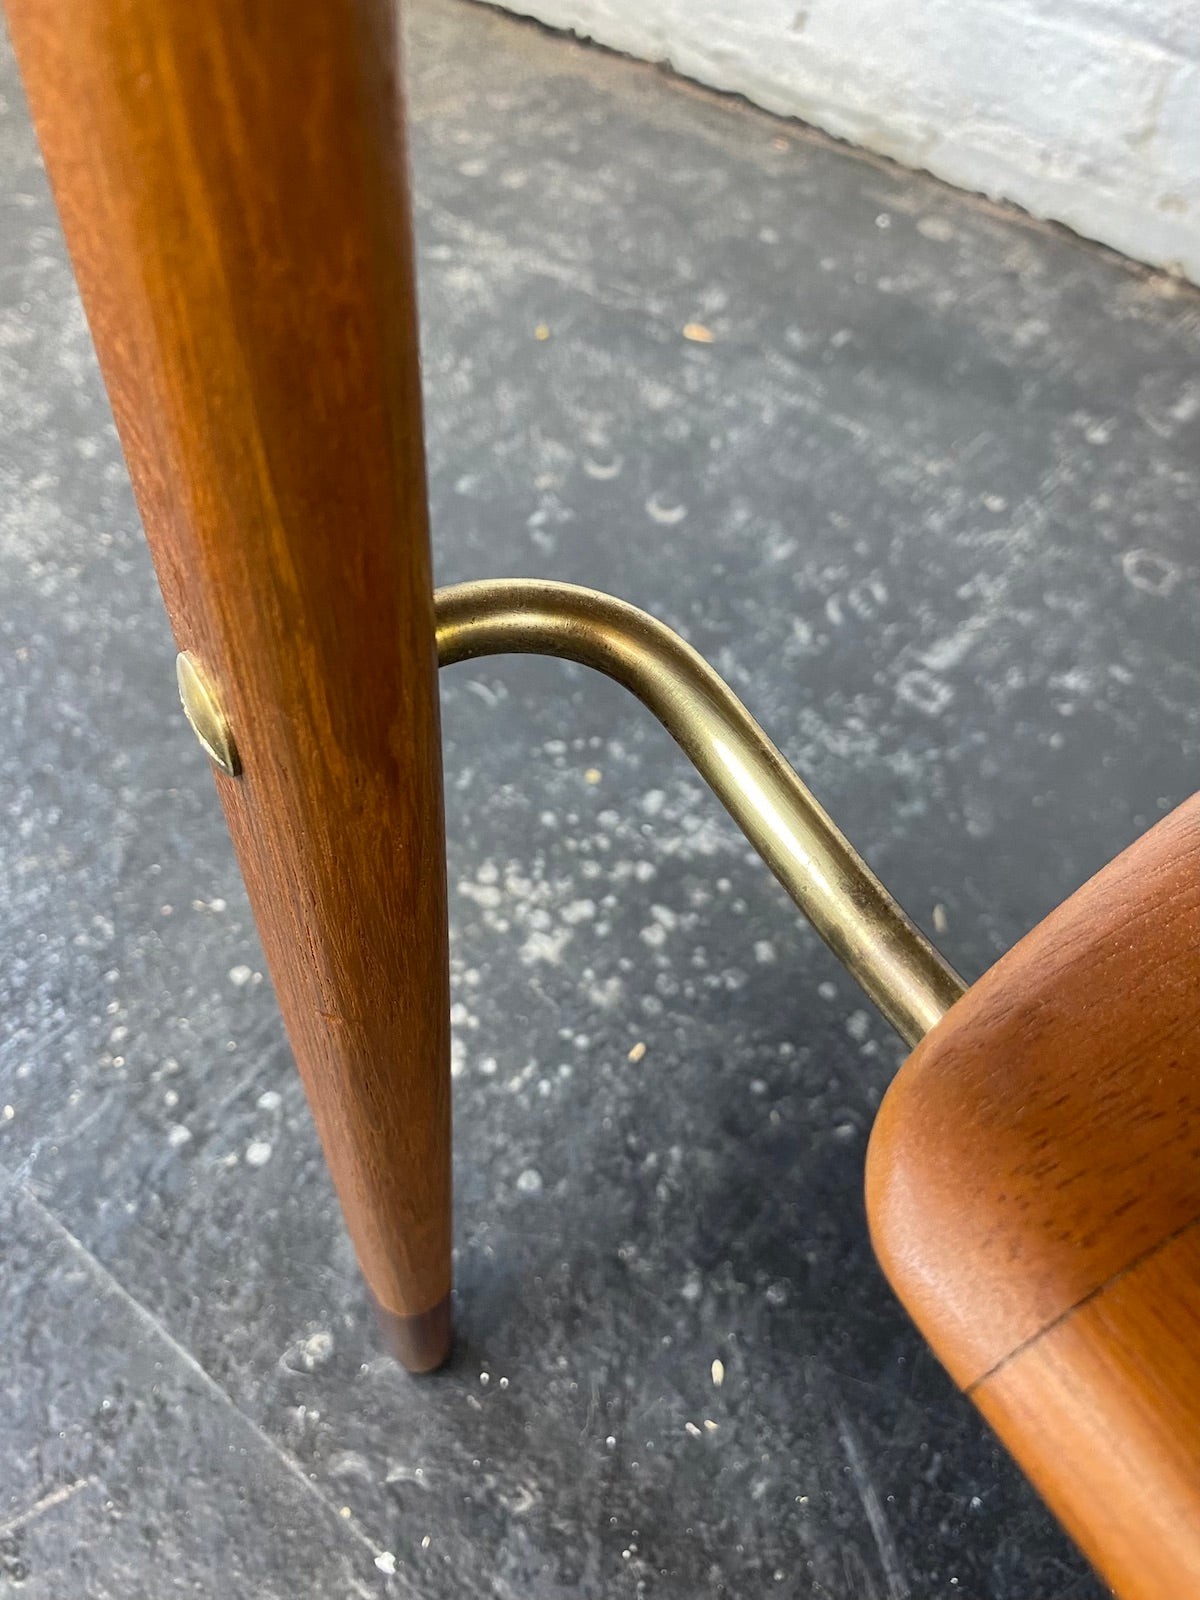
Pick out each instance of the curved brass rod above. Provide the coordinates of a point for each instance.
(890, 957)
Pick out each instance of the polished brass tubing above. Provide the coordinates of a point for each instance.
(890, 957)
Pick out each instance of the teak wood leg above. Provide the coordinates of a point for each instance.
(1033, 1188)
(232, 186)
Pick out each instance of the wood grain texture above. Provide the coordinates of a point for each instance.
(1033, 1188)
(1104, 1412)
(232, 186)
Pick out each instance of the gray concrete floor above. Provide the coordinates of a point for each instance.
(928, 499)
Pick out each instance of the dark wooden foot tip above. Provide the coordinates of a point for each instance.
(420, 1343)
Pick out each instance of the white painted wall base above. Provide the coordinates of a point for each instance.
(1084, 111)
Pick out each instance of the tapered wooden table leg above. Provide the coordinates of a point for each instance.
(231, 181)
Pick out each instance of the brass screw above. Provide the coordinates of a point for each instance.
(203, 710)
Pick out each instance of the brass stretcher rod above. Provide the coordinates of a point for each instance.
(896, 965)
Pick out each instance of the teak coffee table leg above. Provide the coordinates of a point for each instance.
(232, 185)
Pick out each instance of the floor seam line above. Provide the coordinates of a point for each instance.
(289, 1463)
